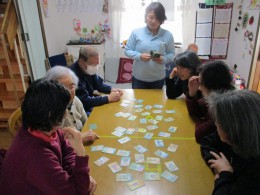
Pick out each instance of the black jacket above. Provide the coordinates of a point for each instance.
(245, 178)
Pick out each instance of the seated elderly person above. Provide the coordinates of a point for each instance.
(43, 157)
(90, 84)
(75, 113)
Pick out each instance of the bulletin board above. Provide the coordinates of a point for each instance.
(212, 30)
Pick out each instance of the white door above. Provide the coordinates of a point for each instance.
(29, 16)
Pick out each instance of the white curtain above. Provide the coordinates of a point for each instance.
(124, 16)
(188, 8)
(112, 45)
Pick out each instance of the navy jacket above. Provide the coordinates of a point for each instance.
(87, 85)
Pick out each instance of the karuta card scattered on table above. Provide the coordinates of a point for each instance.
(148, 107)
(148, 135)
(140, 148)
(151, 176)
(145, 113)
(164, 134)
(132, 185)
(157, 111)
(93, 126)
(143, 120)
(152, 160)
(119, 114)
(139, 101)
(139, 110)
(102, 160)
(170, 111)
(130, 131)
(169, 176)
(159, 143)
(153, 121)
(114, 167)
(126, 101)
(138, 106)
(132, 117)
(109, 150)
(97, 148)
(172, 147)
(158, 106)
(169, 119)
(124, 104)
(142, 130)
(136, 167)
(123, 153)
(124, 140)
(161, 153)
(124, 177)
(172, 129)
(152, 127)
(117, 133)
(171, 166)
(120, 129)
(127, 114)
(125, 161)
(158, 117)
(139, 158)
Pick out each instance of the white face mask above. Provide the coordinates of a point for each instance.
(92, 70)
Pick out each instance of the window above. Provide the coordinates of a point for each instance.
(133, 17)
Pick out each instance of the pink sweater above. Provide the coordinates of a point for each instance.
(35, 166)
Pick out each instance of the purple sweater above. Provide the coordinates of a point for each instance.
(35, 166)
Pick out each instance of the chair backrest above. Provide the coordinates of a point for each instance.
(15, 122)
(58, 60)
(61, 60)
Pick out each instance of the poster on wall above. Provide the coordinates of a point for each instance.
(212, 34)
(81, 6)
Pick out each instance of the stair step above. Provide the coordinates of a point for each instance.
(4, 116)
(10, 95)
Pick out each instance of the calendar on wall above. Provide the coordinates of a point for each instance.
(212, 30)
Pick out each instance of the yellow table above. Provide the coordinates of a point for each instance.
(194, 177)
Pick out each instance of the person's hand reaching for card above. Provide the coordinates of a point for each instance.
(89, 136)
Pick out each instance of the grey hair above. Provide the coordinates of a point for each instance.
(87, 52)
(57, 72)
(237, 112)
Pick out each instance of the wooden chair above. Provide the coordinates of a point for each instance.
(15, 121)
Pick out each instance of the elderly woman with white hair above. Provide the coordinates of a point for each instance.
(75, 113)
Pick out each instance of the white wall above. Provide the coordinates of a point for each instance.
(58, 27)
(238, 51)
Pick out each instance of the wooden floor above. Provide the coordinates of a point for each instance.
(5, 138)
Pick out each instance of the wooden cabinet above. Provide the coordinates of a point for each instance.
(13, 70)
(73, 49)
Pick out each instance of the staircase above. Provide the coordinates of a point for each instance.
(14, 77)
